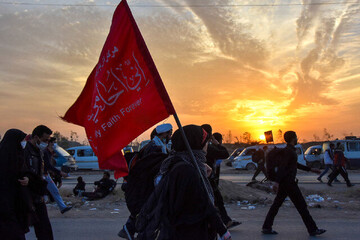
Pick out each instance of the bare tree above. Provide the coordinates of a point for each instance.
(65, 142)
(228, 138)
(327, 135)
(316, 137)
(247, 137)
(74, 136)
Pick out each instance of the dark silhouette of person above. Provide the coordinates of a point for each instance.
(339, 164)
(261, 160)
(286, 185)
(216, 151)
(14, 206)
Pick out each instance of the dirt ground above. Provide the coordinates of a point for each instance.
(240, 201)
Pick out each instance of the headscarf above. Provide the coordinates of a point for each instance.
(11, 154)
(197, 138)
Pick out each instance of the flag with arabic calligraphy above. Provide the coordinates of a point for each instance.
(123, 96)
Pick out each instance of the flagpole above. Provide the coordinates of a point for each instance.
(192, 155)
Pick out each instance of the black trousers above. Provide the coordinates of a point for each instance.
(292, 190)
(43, 230)
(260, 168)
(219, 201)
(336, 172)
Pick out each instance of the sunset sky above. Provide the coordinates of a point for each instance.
(244, 66)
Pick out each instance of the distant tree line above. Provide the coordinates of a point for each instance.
(67, 142)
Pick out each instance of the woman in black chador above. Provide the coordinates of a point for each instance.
(189, 204)
(14, 207)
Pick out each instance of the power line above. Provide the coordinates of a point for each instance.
(177, 5)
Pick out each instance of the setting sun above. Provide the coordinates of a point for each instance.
(262, 137)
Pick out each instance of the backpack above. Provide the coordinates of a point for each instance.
(140, 181)
(151, 222)
(273, 160)
(257, 156)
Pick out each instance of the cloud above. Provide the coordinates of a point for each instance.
(308, 14)
(315, 78)
(46, 56)
(229, 35)
(236, 66)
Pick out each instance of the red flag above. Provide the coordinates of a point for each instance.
(123, 96)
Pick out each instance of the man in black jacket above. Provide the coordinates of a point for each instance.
(286, 185)
(35, 165)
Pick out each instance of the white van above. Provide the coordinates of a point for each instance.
(244, 160)
(314, 156)
(84, 157)
(351, 151)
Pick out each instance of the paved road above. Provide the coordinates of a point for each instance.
(304, 178)
(241, 177)
(106, 229)
(340, 224)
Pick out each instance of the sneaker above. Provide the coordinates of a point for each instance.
(317, 232)
(66, 209)
(268, 231)
(319, 179)
(351, 185)
(329, 184)
(124, 235)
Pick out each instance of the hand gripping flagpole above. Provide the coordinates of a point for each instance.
(192, 156)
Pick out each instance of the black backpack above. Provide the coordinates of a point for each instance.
(151, 222)
(273, 160)
(257, 156)
(140, 181)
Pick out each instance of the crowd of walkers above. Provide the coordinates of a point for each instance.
(335, 160)
(172, 195)
(170, 192)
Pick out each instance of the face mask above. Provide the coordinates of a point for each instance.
(42, 146)
(23, 144)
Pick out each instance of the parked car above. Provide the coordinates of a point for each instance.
(64, 160)
(244, 160)
(314, 156)
(233, 155)
(84, 157)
